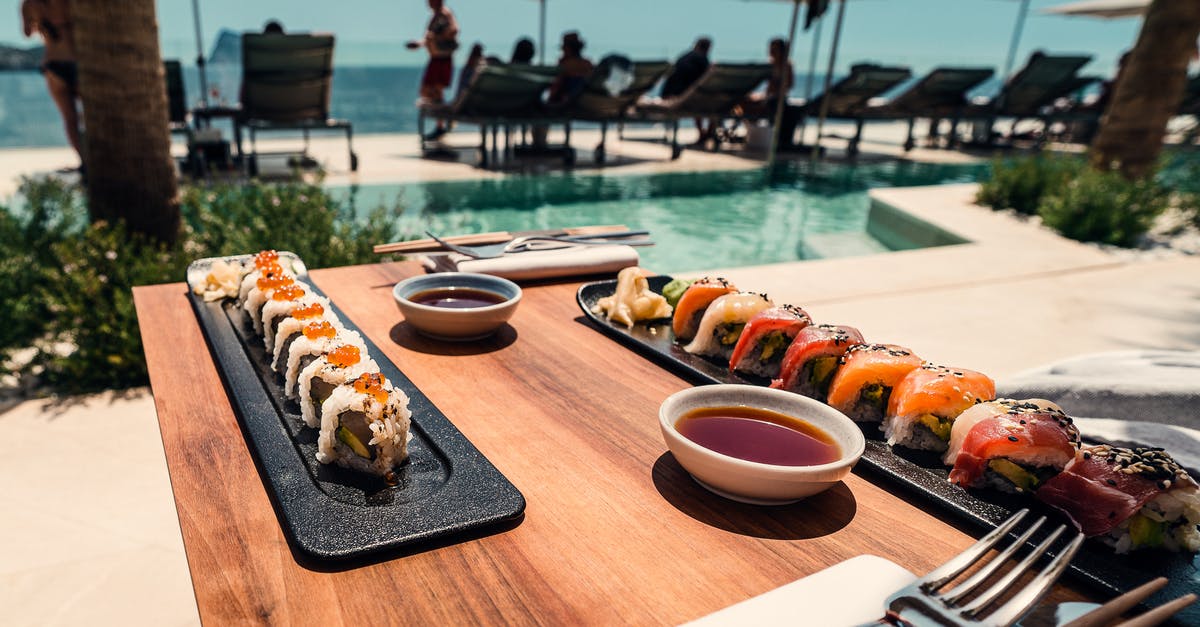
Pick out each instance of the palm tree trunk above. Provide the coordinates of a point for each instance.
(1148, 89)
(127, 143)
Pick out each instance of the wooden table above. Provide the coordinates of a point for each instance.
(614, 531)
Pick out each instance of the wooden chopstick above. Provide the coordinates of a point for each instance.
(1113, 610)
(494, 237)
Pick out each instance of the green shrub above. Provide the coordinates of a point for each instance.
(1104, 207)
(66, 284)
(1019, 184)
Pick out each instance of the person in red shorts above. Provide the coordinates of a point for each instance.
(440, 40)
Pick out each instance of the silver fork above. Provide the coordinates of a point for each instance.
(544, 242)
(921, 603)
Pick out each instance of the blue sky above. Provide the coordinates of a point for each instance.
(917, 33)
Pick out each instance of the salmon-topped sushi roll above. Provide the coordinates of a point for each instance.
(1011, 445)
(923, 406)
(865, 377)
(766, 338)
(723, 323)
(692, 305)
(810, 361)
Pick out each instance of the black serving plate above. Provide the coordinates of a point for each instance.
(445, 488)
(918, 475)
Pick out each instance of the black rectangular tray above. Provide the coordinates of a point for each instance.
(446, 488)
(917, 474)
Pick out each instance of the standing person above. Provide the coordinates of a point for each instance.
(778, 86)
(686, 71)
(440, 40)
(51, 19)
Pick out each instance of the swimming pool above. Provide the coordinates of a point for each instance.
(699, 220)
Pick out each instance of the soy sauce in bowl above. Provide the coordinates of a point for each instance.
(457, 298)
(759, 435)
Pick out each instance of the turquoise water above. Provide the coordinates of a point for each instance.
(698, 220)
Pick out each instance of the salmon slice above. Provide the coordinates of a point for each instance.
(690, 308)
(865, 378)
(766, 338)
(923, 406)
(812, 359)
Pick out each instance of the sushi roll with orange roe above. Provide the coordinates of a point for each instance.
(812, 359)
(364, 426)
(763, 343)
(694, 302)
(320, 378)
(923, 406)
(310, 308)
(866, 375)
(315, 339)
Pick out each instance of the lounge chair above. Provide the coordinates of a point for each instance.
(597, 104)
(286, 83)
(498, 95)
(714, 94)
(849, 98)
(1033, 90)
(940, 94)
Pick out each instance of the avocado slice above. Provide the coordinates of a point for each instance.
(1146, 532)
(1023, 479)
(772, 343)
(349, 439)
(822, 368)
(938, 426)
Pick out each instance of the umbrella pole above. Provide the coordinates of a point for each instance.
(200, 54)
(1016, 39)
(781, 98)
(837, 37)
(542, 34)
(812, 59)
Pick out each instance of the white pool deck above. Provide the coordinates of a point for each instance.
(96, 539)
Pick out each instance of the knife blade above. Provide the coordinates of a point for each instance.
(495, 237)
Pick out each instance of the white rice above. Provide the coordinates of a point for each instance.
(290, 326)
(305, 347)
(335, 375)
(1181, 504)
(389, 423)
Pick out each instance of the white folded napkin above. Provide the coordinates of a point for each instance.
(540, 264)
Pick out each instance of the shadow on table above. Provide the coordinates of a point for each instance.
(404, 334)
(816, 516)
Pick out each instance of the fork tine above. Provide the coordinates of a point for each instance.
(967, 587)
(1160, 613)
(1020, 603)
(957, 564)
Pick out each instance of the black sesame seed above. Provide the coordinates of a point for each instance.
(1013, 438)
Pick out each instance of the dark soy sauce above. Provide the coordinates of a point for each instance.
(759, 435)
(457, 298)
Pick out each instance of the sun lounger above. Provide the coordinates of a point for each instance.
(714, 94)
(498, 95)
(286, 83)
(598, 104)
(1033, 90)
(849, 98)
(940, 94)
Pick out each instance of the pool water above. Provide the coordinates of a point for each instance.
(699, 221)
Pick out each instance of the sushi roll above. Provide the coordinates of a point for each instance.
(364, 426)
(692, 305)
(313, 309)
(923, 406)
(279, 305)
(321, 377)
(316, 339)
(269, 278)
(723, 323)
(812, 359)
(866, 374)
(253, 269)
(1013, 446)
(1129, 498)
(765, 340)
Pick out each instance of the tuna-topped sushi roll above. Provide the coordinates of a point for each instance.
(694, 302)
(279, 305)
(765, 340)
(865, 377)
(316, 339)
(1013, 446)
(925, 403)
(809, 363)
(364, 426)
(723, 323)
(321, 377)
(1130, 498)
(312, 308)
(263, 283)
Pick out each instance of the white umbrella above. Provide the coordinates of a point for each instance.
(1107, 9)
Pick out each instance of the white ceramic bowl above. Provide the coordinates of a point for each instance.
(457, 325)
(752, 482)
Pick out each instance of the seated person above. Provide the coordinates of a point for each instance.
(523, 52)
(573, 71)
(474, 61)
(686, 71)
